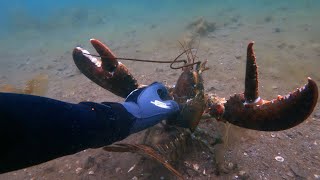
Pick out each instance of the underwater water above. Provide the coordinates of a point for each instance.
(286, 32)
(37, 37)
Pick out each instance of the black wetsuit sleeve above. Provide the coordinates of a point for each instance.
(36, 129)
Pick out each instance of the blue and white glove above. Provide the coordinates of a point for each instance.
(150, 105)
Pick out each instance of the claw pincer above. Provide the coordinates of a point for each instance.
(250, 111)
(107, 72)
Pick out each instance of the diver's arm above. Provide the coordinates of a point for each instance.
(36, 129)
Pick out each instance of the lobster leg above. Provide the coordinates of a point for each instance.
(250, 111)
(107, 72)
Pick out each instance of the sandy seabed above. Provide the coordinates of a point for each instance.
(287, 46)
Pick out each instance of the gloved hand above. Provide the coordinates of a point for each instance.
(150, 105)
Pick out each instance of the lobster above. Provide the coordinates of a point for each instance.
(247, 109)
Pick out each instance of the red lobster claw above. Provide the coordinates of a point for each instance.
(248, 110)
(107, 72)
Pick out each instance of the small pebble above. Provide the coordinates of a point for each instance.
(134, 178)
(196, 167)
(90, 172)
(279, 158)
(243, 175)
(78, 170)
(132, 168)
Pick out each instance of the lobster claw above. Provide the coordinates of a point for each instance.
(250, 111)
(107, 72)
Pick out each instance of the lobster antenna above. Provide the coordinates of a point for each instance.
(186, 50)
(185, 65)
(195, 54)
(139, 60)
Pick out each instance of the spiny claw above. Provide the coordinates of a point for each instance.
(107, 72)
(251, 82)
(250, 111)
(275, 115)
